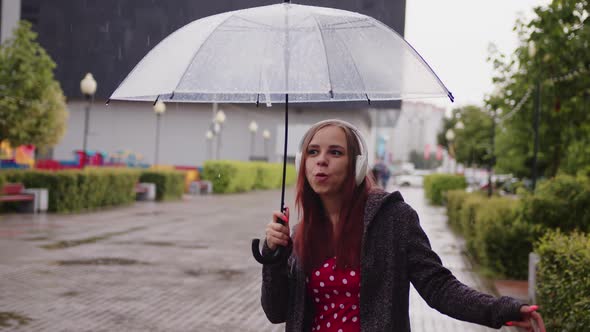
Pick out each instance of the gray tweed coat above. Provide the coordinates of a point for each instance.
(395, 251)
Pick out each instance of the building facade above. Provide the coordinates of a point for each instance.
(107, 38)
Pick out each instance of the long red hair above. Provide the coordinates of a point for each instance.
(315, 240)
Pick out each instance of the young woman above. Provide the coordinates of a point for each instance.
(357, 249)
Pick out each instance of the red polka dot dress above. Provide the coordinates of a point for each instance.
(336, 295)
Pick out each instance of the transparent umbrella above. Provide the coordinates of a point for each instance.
(283, 53)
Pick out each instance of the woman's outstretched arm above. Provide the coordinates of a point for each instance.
(442, 291)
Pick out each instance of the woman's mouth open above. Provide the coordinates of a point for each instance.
(321, 177)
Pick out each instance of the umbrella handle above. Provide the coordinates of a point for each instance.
(269, 259)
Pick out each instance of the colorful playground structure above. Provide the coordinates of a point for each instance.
(23, 157)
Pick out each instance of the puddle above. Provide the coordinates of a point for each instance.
(158, 243)
(163, 244)
(225, 274)
(194, 246)
(148, 214)
(70, 294)
(74, 243)
(38, 238)
(12, 319)
(100, 261)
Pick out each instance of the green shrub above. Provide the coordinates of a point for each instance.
(563, 281)
(239, 176)
(78, 190)
(169, 183)
(562, 202)
(501, 241)
(436, 185)
(455, 200)
(494, 237)
(467, 223)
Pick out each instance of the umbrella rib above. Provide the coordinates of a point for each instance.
(355, 66)
(255, 23)
(200, 47)
(416, 54)
(325, 53)
(260, 75)
(347, 22)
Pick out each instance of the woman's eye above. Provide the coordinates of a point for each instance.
(337, 152)
(312, 151)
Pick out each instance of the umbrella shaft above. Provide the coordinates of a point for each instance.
(285, 151)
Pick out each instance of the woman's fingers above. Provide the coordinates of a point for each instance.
(523, 323)
(278, 215)
(539, 321)
(277, 234)
(277, 238)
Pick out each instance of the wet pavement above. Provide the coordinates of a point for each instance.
(180, 266)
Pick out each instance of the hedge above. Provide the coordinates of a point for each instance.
(78, 190)
(170, 184)
(562, 202)
(501, 240)
(455, 200)
(239, 176)
(468, 226)
(563, 281)
(494, 236)
(435, 186)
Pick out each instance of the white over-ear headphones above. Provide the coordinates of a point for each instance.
(361, 160)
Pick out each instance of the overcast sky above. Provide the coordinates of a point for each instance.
(453, 37)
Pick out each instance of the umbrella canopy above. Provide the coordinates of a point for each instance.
(282, 53)
(261, 54)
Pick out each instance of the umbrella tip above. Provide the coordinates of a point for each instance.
(451, 97)
(108, 101)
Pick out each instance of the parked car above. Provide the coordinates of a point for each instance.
(414, 179)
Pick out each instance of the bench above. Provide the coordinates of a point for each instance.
(200, 187)
(15, 193)
(145, 191)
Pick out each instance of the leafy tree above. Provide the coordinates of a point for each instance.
(553, 52)
(32, 104)
(472, 143)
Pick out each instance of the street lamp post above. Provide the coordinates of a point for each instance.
(209, 136)
(88, 88)
(266, 136)
(537, 110)
(219, 120)
(450, 136)
(494, 112)
(159, 109)
(253, 127)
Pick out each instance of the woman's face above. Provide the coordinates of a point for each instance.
(326, 164)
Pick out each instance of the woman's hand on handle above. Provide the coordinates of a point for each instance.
(277, 234)
(531, 320)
